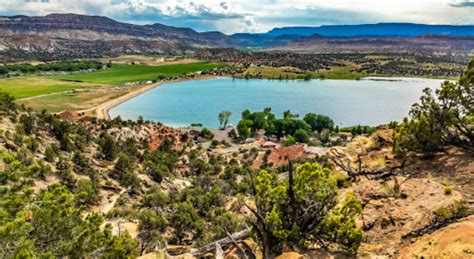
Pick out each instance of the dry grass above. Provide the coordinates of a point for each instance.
(75, 101)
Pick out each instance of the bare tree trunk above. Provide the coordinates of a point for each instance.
(267, 250)
(219, 253)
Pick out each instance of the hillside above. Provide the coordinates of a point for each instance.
(83, 27)
(58, 36)
(461, 45)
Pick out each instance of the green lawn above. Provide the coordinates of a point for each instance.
(28, 86)
(121, 73)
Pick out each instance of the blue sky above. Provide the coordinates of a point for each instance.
(231, 16)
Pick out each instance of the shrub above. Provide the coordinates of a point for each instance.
(207, 134)
(214, 143)
(447, 190)
(289, 141)
(301, 136)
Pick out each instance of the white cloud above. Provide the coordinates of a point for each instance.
(42, 7)
(232, 16)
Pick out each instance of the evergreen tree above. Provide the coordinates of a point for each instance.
(303, 208)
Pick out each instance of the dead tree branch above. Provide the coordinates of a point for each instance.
(378, 174)
(224, 243)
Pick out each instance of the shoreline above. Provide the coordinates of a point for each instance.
(102, 110)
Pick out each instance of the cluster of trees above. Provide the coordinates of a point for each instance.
(50, 224)
(67, 66)
(289, 126)
(440, 119)
(196, 215)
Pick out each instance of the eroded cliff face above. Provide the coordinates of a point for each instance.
(401, 211)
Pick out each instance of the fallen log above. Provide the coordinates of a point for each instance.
(224, 243)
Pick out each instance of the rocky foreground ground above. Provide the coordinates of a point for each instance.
(414, 208)
(420, 212)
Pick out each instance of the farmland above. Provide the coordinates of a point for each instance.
(123, 73)
(30, 86)
(75, 101)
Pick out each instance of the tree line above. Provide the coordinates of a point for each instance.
(290, 126)
(66, 66)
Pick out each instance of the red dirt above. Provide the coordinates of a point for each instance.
(280, 156)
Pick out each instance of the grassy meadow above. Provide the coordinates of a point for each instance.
(30, 86)
(123, 73)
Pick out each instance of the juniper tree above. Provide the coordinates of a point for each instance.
(303, 209)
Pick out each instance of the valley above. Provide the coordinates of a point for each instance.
(124, 140)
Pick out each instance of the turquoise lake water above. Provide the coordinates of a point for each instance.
(347, 102)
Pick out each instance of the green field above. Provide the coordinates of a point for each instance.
(121, 73)
(29, 86)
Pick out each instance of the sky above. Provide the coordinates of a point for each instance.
(233, 16)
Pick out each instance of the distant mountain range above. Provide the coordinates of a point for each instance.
(76, 36)
(377, 30)
(285, 35)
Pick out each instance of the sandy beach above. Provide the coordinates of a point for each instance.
(102, 111)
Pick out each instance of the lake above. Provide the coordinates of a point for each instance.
(348, 102)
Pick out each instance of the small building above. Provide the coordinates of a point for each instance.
(269, 145)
